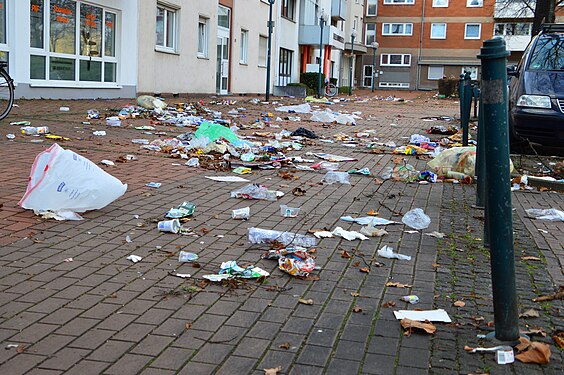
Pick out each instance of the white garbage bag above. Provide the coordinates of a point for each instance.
(62, 180)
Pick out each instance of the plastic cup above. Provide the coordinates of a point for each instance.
(288, 211)
(241, 213)
(172, 226)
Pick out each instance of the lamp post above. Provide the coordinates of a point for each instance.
(353, 35)
(323, 17)
(270, 25)
(375, 46)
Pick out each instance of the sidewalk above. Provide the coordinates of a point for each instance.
(102, 314)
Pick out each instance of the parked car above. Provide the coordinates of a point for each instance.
(536, 91)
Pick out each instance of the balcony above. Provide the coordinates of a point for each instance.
(513, 9)
(338, 10)
(309, 35)
(516, 42)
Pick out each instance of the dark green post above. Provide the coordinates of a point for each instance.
(467, 98)
(480, 162)
(461, 93)
(498, 194)
(268, 52)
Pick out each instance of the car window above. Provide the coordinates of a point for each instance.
(548, 53)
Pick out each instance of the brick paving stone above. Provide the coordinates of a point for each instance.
(197, 368)
(213, 353)
(128, 364)
(172, 358)
(65, 358)
(21, 364)
(40, 371)
(152, 345)
(342, 366)
(251, 347)
(314, 355)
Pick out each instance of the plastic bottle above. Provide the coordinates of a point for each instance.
(33, 130)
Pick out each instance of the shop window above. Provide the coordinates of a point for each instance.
(37, 65)
(62, 32)
(110, 34)
(36, 30)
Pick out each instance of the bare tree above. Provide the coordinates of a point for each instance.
(542, 11)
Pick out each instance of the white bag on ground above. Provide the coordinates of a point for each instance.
(62, 180)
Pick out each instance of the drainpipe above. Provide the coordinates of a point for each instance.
(418, 78)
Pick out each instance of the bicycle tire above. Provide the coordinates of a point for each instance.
(6, 94)
(330, 90)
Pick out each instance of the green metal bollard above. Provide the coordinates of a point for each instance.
(461, 93)
(480, 162)
(498, 194)
(467, 106)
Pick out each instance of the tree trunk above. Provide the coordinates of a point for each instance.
(544, 13)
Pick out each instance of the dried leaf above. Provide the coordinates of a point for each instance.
(285, 346)
(188, 325)
(298, 192)
(531, 258)
(355, 294)
(410, 325)
(397, 285)
(558, 337)
(531, 313)
(535, 331)
(21, 348)
(272, 371)
(372, 213)
(356, 264)
(477, 318)
(345, 254)
(459, 304)
(389, 304)
(490, 323)
(537, 352)
(357, 309)
(468, 348)
(550, 297)
(306, 301)
(365, 270)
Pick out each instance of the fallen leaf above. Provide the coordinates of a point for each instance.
(204, 230)
(345, 254)
(306, 301)
(550, 297)
(468, 348)
(490, 323)
(188, 325)
(397, 285)
(272, 371)
(531, 258)
(21, 348)
(357, 309)
(113, 295)
(355, 294)
(397, 160)
(365, 270)
(409, 326)
(477, 318)
(285, 345)
(298, 192)
(356, 264)
(459, 304)
(372, 213)
(531, 313)
(534, 331)
(311, 278)
(537, 352)
(435, 265)
(558, 337)
(389, 304)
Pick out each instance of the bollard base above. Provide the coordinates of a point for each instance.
(491, 337)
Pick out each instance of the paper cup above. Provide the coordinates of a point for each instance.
(172, 226)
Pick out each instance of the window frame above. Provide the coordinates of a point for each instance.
(438, 37)
(472, 37)
(285, 66)
(204, 52)
(390, 25)
(479, 5)
(369, 4)
(385, 59)
(244, 48)
(399, 2)
(288, 9)
(175, 12)
(435, 66)
(368, 33)
(437, 5)
(259, 62)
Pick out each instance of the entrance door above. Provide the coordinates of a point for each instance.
(222, 72)
(367, 76)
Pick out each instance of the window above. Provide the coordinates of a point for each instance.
(78, 44)
(435, 72)
(387, 59)
(223, 17)
(399, 1)
(263, 42)
(472, 31)
(521, 29)
(473, 72)
(285, 67)
(397, 29)
(166, 28)
(244, 46)
(474, 3)
(372, 7)
(438, 30)
(203, 37)
(440, 3)
(370, 33)
(288, 7)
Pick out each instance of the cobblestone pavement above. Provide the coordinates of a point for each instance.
(102, 314)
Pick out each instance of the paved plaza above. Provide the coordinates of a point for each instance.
(102, 314)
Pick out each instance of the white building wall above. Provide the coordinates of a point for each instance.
(287, 37)
(18, 46)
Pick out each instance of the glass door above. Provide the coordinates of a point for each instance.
(222, 72)
(367, 76)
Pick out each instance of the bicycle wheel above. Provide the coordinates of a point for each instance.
(6, 94)
(330, 90)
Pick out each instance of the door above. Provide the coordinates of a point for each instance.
(367, 76)
(222, 73)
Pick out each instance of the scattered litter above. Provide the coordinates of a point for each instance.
(227, 178)
(10, 136)
(172, 226)
(334, 158)
(323, 234)
(298, 192)
(301, 108)
(241, 213)
(67, 260)
(551, 214)
(99, 133)
(368, 220)
(58, 215)
(303, 132)
(436, 234)
(459, 304)
(293, 260)
(231, 268)
(150, 102)
(438, 315)
(412, 299)
(182, 275)
(265, 236)
(256, 191)
(333, 177)
(305, 301)
(530, 313)
(348, 235)
(61, 180)
(128, 239)
(372, 231)
(181, 211)
(410, 325)
(242, 170)
(457, 159)
(107, 162)
(398, 285)
(185, 256)
(286, 211)
(113, 121)
(362, 171)
(155, 185)
(416, 219)
(193, 162)
(272, 371)
(64, 109)
(388, 252)
(134, 258)
(216, 278)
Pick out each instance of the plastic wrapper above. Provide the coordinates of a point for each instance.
(551, 214)
(388, 252)
(457, 159)
(333, 177)
(293, 260)
(213, 132)
(348, 235)
(302, 108)
(255, 191)
(323, 116)
(265, 236)
(416, 219)
(150, 102)
(184, 210)
(231, 268)
(344, 119)
(241, 213)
